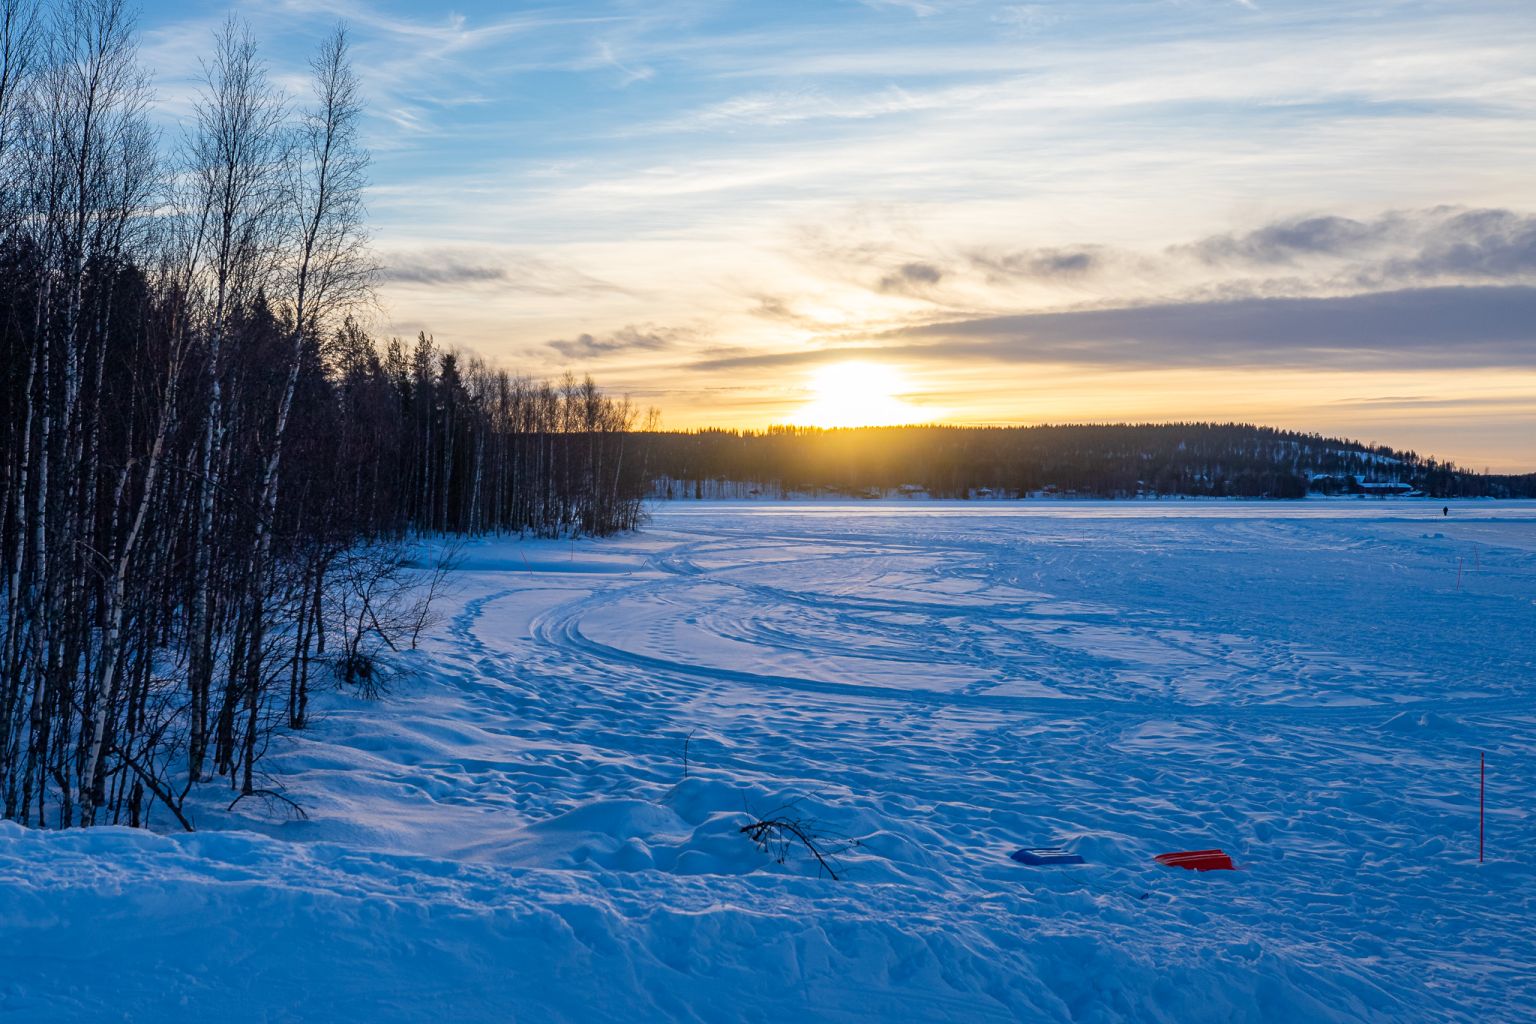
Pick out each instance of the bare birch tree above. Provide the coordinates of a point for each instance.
(327, 268)
(237, 156)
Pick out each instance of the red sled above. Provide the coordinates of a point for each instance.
(1197, 860)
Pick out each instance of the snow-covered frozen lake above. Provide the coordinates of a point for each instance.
(514, 833)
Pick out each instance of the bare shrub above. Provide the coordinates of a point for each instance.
(779, 832)
(382, 603)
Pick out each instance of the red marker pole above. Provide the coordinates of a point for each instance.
(1482, 783)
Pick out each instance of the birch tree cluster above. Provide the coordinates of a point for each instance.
(203, 453)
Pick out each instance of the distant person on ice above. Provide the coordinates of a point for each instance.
(1445, 511)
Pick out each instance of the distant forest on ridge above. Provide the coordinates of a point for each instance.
(1230, 460)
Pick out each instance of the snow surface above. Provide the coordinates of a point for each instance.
(512, 835)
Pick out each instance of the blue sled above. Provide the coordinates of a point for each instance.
(1050, 855)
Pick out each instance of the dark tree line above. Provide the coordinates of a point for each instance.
(1104, 461)
(204, 460)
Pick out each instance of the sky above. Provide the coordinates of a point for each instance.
(1312, 214)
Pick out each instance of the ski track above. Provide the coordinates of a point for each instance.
(516, 828)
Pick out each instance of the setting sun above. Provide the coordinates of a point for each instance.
(858, 394)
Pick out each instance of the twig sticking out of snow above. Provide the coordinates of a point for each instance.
(776, 834)
(271, 796)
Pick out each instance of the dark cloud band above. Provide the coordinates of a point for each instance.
(1420, 328)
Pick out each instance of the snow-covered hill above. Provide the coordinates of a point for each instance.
(541, 822)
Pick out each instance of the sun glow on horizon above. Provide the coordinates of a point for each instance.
(859, 394)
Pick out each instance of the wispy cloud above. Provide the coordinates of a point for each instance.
(628, 339)
(1045, 263)
(1028, 18)
(523, 274)
(1444, 241)
(910, 277)
(628, 73)
(446, 271)
(921, 8)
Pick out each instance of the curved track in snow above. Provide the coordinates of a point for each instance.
(1079, 653)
